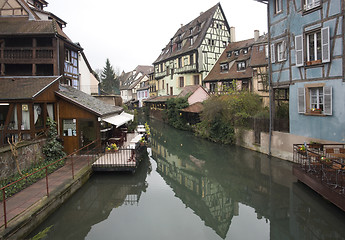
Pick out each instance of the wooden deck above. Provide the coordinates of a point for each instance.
(127, 158)
(322, 169)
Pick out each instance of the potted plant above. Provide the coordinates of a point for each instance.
(301, 150)
(112, 148)
(316, 110)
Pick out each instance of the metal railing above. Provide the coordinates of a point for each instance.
(325, 162)
(88, 154)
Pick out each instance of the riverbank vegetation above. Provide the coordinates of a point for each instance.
(221, 115)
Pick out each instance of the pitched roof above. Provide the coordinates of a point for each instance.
(197, 107)
(187, 90)
(258, 58)
(144, 69)
(131, 79)
(87, 101)
(158, 99)
(195, 29)
(20, 88)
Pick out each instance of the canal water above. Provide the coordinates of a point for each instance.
(194, 189)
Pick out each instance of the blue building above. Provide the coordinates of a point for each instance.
(306, 40)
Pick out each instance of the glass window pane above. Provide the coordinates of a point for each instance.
(25, 117)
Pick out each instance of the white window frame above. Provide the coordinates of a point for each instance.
(241, 66)
(310, 4)
(278, 6)
(281, 51)
(224, 67)
(326, 101)
(313, 37)
(325, 47)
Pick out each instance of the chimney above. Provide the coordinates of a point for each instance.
(256, 35)
(232, 34)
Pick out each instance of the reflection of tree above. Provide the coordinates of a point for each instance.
(98, 197)
(211, 179)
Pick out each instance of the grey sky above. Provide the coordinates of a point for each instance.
(133, 32)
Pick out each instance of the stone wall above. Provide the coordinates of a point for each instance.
(281, 143)
(29, 153)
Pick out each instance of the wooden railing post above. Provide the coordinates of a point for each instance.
(4, 205)
(47, 182)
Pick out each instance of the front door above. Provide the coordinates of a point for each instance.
(69, 135)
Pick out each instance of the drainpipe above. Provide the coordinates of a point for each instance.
(269, 80)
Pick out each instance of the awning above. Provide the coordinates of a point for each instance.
(119, 120)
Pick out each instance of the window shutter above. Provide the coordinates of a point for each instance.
(273, 56)
(301, 100)
(299, 50)
(327, 93)
(284, 50)
(325, 45)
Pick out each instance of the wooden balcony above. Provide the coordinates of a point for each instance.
(188, 68)
(27, 54)
(160, 74)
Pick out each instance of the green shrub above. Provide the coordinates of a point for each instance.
(53, 149)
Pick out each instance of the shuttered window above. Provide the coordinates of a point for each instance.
(301, 100)
(325, 45)
(320, 98)
(299, 50)
(327, 91)
(273, 56)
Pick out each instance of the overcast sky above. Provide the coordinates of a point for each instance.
(133, 32)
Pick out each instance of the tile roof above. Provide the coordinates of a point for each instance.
(199, 28)
(197, 107)
(87, 101)
(188, 89)
(158, 99)
(131, 79)
(20, 88)
(258, 57)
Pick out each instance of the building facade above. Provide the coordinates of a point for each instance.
(244, 62)
(307, 63)
(191, 52)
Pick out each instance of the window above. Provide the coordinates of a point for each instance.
(181, 81)
(224, 67)
(191, 41)
(318, 48)
(314, 46)
(191, 59)
(196, 79)
(281, 51)
(315, 98)
(236, 53)
(180, 62)
(245, 50)
(229, 54)
(241, 66)
(310, 4)
(277, 6)
(179, 46)
(212, 87)
(211, 42)
(224, 43)
(67, 55)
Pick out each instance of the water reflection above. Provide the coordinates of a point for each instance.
(197, 190)
(217, 181)
(95, 201)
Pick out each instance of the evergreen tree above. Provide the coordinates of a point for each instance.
(109, 81)
(53, 149)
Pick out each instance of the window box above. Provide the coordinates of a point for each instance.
(315, 62)
(315, 111)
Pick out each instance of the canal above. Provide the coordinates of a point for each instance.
(194, 189)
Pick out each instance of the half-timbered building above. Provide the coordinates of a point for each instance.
(243, 63)
(307, 64)
(192, 51)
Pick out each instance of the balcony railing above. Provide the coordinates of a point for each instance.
(160, 74)
(188, 68)
(311, 5)
(27, 53)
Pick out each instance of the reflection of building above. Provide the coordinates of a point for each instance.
(206, 197)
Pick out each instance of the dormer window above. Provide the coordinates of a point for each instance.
(236, 52)
(224, 67)
(191, 40)
(241, 66)
(245, 50)
(228, 54)
(179, 46)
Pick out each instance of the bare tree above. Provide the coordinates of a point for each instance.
(14, 149)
